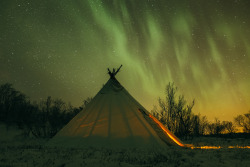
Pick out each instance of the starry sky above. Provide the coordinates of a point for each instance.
(62, 48)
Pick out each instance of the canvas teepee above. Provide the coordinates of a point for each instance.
(114, 119)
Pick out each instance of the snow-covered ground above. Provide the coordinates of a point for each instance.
(20, 152)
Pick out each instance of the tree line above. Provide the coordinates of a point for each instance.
(45, 118)
(41, 119)
(177, 115)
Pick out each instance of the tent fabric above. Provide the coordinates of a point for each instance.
(113, 119)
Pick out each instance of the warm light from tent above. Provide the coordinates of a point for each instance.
(239, 147)
(166, 131)
(207, 147)
(219, 147)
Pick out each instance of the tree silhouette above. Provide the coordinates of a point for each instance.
(229, 126)
(243, 121)
(175, 113)
(12, 104)
(216, 128)
(43, 119)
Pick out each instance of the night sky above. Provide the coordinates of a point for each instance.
(62, 48)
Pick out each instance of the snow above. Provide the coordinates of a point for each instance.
(34, 153)
(17, 151)
(37, 156)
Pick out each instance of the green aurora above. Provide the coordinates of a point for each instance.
(63, 48)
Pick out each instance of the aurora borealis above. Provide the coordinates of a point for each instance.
(63, 48)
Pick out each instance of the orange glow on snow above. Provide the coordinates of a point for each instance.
(207, 147)
(218, 147)
(239, 147)
(166, 131)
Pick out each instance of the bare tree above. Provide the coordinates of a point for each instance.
(243, 121)
(175, 113)
(42, 119)
(229, 126)
(215, 128)
(12, 104)
(203, 125)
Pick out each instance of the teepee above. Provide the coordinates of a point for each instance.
(114, 119)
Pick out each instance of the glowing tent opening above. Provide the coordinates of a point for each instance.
(166, 131)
